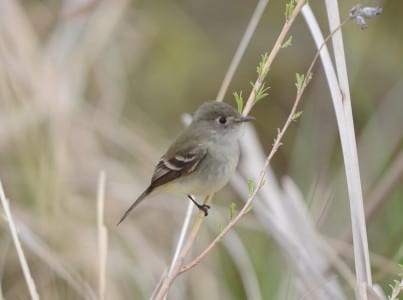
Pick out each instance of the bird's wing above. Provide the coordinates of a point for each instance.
(178, 161)
(175, 165)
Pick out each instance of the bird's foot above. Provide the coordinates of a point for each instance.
(202, 207)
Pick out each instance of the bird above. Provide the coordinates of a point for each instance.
(202, 158)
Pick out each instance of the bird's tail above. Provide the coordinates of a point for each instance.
(135, 203)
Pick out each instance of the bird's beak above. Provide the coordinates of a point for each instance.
(244, 119)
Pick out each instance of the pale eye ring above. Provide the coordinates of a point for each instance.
(222, 120)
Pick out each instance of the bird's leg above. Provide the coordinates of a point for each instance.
(203, 207)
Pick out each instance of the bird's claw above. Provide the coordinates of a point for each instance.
(204, 208)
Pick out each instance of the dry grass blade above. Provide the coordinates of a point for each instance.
(349, 147)
(100, 86)
(102, 235)
(186, 120)
(37, 246)
(276, 48)
(283, 213)
(24, 265)
(167, 282)
(182, 238)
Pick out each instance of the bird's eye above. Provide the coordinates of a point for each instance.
(222, 120)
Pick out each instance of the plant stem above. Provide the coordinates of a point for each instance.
(20, 253)
(276, 48)
(178, 266)
(175, 271)
(273, 151)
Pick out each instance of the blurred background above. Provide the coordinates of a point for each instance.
(90, 85)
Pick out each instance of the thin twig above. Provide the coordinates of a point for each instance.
(178, 267)
(185, 250)
(276, 48)
(250, 30)
(20, 252)
(182, 237)
(273, 151)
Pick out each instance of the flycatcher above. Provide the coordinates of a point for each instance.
(202, 158)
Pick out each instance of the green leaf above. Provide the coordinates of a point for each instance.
(300, 80)
(232, 210)
(251, 187)
(275, 141)
(261, 93)
(296, 116)
(310, 77)
(287, 43)
(239, 100)
(289, 8)
(220, 227)
(260, 67)
(248, 210)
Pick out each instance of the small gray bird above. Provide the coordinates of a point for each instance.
(202, 158)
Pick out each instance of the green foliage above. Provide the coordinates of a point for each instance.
(261, 93)
(220, 227)
(287, 43)
(289, 8)
(278, 135)
(251, 187)
(296, 116)
(249, 209)
(232, 210)
(397, 287)
(136, 72)
(239, 100)
(260, 68)
(300, 80)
